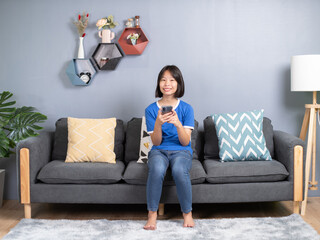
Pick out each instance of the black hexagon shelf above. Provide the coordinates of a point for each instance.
(107, 56)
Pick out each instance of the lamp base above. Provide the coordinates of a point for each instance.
(309, 121)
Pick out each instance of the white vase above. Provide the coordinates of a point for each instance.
(81, 50)
(133, 41)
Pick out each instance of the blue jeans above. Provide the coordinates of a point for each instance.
(180, 163)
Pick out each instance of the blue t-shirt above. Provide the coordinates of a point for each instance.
(170, 139)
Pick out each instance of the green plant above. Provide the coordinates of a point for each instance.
(16, 124)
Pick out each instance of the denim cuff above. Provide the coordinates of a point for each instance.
(152, 209)
(186, 211)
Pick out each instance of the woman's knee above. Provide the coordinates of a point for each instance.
(157, 171)
(180, 167)
(157, 165)
(179, 172)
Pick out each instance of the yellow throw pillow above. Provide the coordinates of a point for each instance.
(91, 140)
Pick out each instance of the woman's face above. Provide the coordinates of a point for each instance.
(168, 85)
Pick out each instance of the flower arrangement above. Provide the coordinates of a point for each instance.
(106, 23)
(82, 23)
(133, 37)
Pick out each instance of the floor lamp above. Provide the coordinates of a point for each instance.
(305, 77)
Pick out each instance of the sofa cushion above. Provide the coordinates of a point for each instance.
(133, 135)
(137, 173)
(240, 136)
(91, 140)
(244, 172)
(211, 147)
(58, 171)
(132, 144)
(61, 140)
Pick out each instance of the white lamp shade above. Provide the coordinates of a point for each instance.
(305, 73)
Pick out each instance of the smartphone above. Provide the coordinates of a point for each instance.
(166, 109)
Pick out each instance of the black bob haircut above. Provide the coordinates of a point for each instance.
(177, 75)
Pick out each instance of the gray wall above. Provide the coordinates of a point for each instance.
(234, 55)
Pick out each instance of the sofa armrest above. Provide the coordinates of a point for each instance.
(284, 144)
(40, 149)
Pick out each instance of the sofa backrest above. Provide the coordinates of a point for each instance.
(133, 135)
(204, 144)
(211, 147)
(60, 145)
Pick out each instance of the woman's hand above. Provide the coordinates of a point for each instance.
(163, 118)
(156, 136)
(183, 133)
(173, 118)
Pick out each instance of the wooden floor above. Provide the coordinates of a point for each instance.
(12, 212)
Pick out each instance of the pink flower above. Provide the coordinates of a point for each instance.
(101, 23)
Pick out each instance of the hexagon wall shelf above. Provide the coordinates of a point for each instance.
(126, 44)
(76, 66)
(111, 52)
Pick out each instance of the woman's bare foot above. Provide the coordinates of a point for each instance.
(152, 220)
(188, 220)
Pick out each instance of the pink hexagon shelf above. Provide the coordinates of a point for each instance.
(126, 44)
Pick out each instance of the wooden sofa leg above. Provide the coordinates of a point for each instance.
(296, 207)
(161, 209)
(27, 210)
(25, 181)
(297, 178)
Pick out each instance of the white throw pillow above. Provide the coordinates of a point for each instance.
(145, 143)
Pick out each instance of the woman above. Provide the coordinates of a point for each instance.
(171, 137)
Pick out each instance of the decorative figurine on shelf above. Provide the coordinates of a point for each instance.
(137, 21)
(129, 23)
(106, 35)
(81, 24)
(103, 61)
(133, 37)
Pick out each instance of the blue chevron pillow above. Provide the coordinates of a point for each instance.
(240, 136)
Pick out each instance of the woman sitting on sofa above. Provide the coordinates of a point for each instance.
(169, 122)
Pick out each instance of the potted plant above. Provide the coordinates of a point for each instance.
(16, 124)
(106, 23)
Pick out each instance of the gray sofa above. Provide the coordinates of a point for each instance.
(44, 177)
